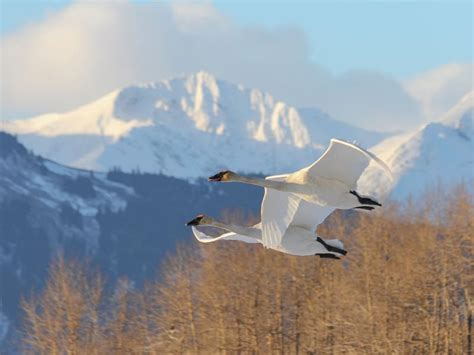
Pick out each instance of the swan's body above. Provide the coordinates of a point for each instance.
(298, 238)
(329, 181)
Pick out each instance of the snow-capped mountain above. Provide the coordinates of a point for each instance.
(438, 152)
(54, 184)
(188, 128)
(193, 126)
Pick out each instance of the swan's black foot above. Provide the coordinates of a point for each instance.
(328, 256)
(368, 208)
(330, 247)
(365, 200)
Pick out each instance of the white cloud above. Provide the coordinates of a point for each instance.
(440, 89)
(88, 49)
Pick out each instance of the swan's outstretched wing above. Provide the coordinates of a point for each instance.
(310, 215)
(345, 162)
(204, 238)
(277, 211)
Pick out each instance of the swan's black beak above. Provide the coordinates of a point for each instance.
(218, 176)
(195, 221)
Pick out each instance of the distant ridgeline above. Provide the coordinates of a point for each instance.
(125, 222)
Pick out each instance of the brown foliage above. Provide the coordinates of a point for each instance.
(406, 286)
(65, 315)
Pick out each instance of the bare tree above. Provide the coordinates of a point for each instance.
(64, 317)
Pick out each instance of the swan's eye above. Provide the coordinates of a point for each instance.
(226, 175)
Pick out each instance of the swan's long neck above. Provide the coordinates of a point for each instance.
(271, 184)
(247, 231)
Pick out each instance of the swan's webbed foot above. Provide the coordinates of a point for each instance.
(365, 200)
(331, 248)
(368, 208)
(328, 256)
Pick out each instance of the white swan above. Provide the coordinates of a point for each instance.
(298, 239)
(330, 181)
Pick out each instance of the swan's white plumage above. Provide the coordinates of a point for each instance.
(296, 240)
(335, 243)
(296, 235)
(310, 215)
(280, 209)
(204, 238)
(344, 162)
(277, 212)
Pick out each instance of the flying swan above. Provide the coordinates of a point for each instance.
(298, 239)
(329, 181)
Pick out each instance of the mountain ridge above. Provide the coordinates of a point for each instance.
(441, 151)
(171, 126)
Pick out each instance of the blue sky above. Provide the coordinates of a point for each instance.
(400, 38)
(400, 63)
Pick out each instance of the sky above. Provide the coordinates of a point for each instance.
(364, 62)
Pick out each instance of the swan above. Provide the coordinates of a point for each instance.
(298, 239)
(329, 181)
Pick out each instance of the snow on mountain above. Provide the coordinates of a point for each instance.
(54, 187)
(438, 152)
(188, 128)
(50, 181)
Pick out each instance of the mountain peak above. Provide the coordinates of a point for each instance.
(186, 127)
(9, 145)
(203, 79)
(437, 152)
(461, 116)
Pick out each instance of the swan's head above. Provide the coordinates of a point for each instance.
(200, 220)
(226, 175)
